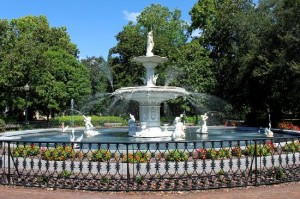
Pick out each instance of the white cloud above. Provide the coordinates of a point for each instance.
(197, 33)
(131, 16)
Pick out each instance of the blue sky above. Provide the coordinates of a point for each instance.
(91, 24)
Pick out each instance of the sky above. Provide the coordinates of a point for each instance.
(91, 24)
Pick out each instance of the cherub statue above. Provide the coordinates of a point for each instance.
(204, 127)
(88, 124)
(179, 129)
(155, 78)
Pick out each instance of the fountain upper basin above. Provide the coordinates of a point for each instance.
(150, 95)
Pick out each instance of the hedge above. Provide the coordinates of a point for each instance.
(96, 120)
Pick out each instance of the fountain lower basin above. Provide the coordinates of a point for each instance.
(149, 99)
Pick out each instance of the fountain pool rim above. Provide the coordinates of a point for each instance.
(16, 135)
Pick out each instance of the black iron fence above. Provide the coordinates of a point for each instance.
(151, 166)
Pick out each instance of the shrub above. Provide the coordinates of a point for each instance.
(212, 154)
(65, 174)
(59, 153)
(200, 154)
(292, 147)
(221, 172)
(96, 120)
(237, 151)
(105, 180)
(139, 180)
(25, 151)
(224, 153)
(176, 156)
(138, 157)
(261, 150)
(2, 123)
(100, 155)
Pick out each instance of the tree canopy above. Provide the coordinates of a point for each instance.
(246, 53)
(43, 57)
(252, 48)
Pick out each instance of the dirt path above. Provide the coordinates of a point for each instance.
(284, 191)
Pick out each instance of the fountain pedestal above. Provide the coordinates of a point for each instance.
(150, 122)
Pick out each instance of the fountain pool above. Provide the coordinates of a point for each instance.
(115, 136)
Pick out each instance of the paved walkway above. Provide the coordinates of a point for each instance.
(282, 191)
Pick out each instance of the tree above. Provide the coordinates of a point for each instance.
(253, 52)
(169, 34)
(188, 63)
(100, 81)
(279, 57)
(34, 53)
(101, 84)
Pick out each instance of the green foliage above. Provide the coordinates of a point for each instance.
(2, 123)
(26, 151)
(221, 172)
(237, 151)
(138, 157)
(139, 180)
(60, 153)
(169, 34)
(211, 154)
(33, 52)
(261, 150)
(100, 155)
(254, 53)
(176, 156)
(292, 147)
(65, 174)
(224, 153)
(279, 173)
(243, 51)
(99, 74)
(105, 180)
(96, 120)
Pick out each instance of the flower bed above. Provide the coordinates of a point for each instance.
(62, 153)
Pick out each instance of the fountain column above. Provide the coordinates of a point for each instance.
(149, 107)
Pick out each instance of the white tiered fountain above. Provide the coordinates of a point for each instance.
(150, 96)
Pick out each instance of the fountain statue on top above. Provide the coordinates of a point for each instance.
(150, 96)
(203, 128)
(88, 127)
(150, 44)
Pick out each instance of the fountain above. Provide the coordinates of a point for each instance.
(150, 96)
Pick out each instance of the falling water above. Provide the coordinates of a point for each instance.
(205, 103)
(72, 112)
(104, 67)
(171, 74)
(93, 101)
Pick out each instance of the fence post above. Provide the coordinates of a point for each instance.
(1, 154)
(128, 171)
(8, 163)
(255, 160)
